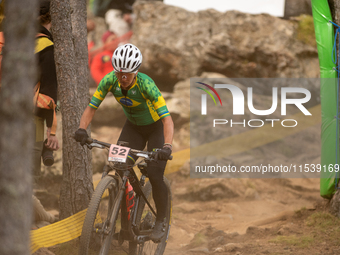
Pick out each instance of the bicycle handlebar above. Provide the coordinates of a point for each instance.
(145, 154)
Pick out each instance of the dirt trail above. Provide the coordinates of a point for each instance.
(238, 216)
(234, 209)
(258, 204)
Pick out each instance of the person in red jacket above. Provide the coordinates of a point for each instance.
(101, 63)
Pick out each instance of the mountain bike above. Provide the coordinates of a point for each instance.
(117, 213)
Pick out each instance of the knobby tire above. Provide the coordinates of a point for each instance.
(143, 212)
(88, 238)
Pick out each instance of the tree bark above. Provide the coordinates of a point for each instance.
(69, 39)
(335, 9)
(16, 126)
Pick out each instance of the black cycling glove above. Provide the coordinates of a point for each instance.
(163, 154)
(81, 136)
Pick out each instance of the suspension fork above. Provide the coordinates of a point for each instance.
(118, 200)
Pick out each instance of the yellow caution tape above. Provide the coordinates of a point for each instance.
(70, 228)
(59, 232)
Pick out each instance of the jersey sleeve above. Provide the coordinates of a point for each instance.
(155, 96)
(103, 88)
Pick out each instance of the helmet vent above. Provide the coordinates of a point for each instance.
(127, 58)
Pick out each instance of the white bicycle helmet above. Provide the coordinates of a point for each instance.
(127, 58)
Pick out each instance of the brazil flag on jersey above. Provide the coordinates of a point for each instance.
(143, 103)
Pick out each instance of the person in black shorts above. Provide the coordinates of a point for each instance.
(148, 120)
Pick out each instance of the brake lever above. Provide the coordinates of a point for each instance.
(153, 155)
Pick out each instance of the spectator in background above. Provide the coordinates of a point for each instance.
(109, 46)
(117, 22)
(101, 58)
(117, 14)
(45, 105)
(101, 63)
(100, 7)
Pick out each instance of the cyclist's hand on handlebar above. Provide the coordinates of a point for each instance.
(81, 136)
(164, 153)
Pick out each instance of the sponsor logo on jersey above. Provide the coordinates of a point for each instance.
(126, 101)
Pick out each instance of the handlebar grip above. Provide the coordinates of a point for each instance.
(89, 140)
(154, 153)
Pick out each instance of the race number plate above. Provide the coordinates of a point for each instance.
(118, 153)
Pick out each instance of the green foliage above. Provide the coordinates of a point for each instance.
(297, 241)
(301, 212)
(325, 226)
(198, 240)
(322, 228)
(305, 31)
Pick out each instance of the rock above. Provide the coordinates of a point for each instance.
(216, 242)
(251, 194)
(187, 208)
(281, 231)
(179, 102)
(212, 192)
(234, 44)
(252, 230)
(295, 8)
(185, 169)
(233, 234)
(199, 250)
(231, 247)
(208, 238)
(218, 250)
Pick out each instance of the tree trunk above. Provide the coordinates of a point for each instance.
(16, 126)
(72, 74)
(334, 6)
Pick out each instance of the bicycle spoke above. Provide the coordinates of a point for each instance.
(96, 230)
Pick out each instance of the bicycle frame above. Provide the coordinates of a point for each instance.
(137, 222)
(132, 231)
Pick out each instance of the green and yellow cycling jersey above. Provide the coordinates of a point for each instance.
(143, 103)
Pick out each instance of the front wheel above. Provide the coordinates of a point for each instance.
(145, 219)
(96, 233)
